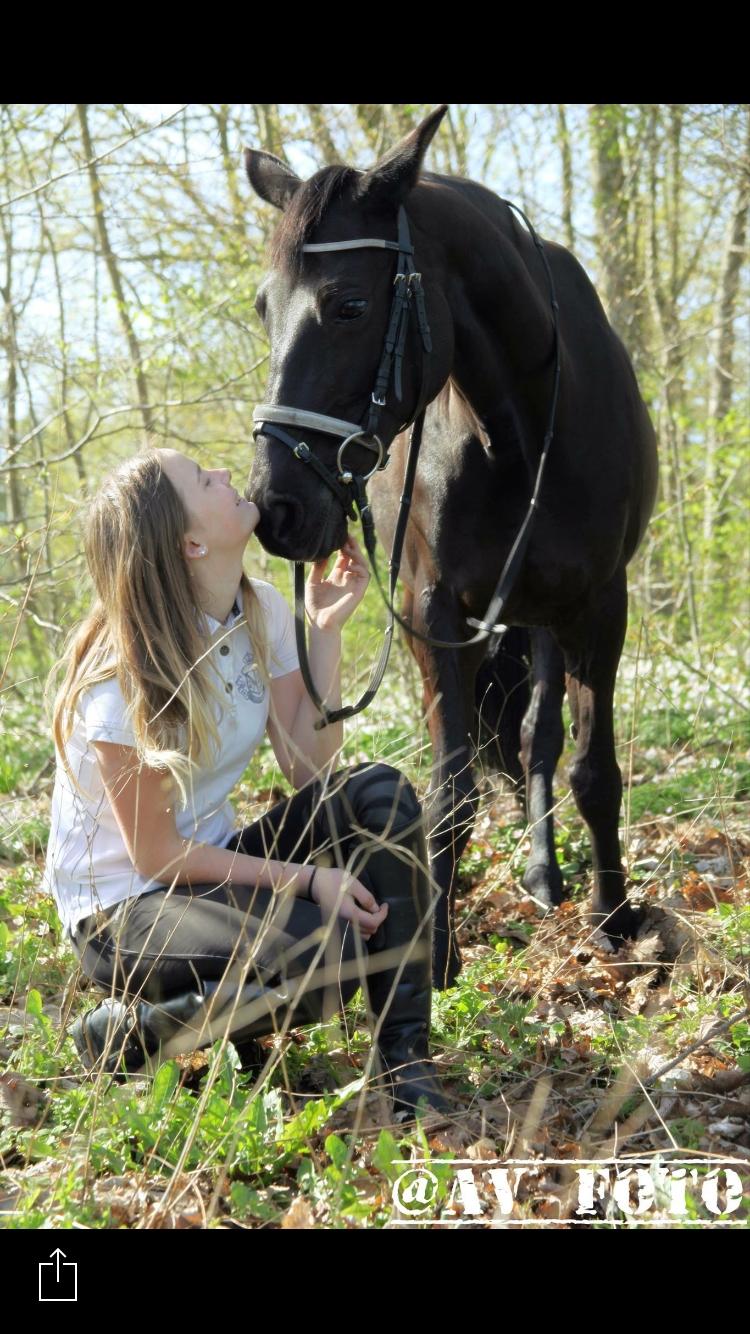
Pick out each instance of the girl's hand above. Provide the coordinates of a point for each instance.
(336, 892)
(329, 602)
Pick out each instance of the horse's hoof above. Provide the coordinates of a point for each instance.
(544, 884)
(619, 926)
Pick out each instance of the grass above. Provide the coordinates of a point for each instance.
(533, 1040)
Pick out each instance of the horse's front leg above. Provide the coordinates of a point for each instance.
(541, 747)
(451, 806)
(592, 653)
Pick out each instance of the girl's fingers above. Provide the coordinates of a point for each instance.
(359, 571)
(355, 552)
(365, 898)
(370, 919)
(318, 571)
(366, 923)
(356, 555)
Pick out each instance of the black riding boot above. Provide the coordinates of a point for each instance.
(132, 1032)
(394, 867)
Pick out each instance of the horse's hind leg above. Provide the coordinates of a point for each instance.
(592, 654)
(541, 746)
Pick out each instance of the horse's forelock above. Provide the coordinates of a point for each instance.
(306, 209)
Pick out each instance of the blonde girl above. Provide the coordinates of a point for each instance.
(171, 681)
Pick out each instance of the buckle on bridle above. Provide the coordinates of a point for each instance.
(301, 451)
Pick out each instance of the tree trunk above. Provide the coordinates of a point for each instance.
(563, 139)
(322, 135)
(611, 206)
(721, 382)
(114, 271)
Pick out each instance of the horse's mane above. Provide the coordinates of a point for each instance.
(306, 209)
(442, 402)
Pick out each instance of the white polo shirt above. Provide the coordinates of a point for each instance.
(88, 866)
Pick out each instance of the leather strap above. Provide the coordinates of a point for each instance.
(351, 491)
(368, 532)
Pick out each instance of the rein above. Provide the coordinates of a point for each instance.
(350, 487)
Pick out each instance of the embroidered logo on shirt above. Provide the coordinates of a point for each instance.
(249, 683)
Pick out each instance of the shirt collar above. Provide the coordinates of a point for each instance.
(235, 613)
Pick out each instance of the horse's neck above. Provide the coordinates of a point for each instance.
(497, 291)
(501, 310)
(505, 394)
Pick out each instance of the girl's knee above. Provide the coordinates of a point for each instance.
(382, 797)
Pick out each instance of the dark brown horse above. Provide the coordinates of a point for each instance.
(488, 380)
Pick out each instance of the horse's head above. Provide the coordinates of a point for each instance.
(327, 315)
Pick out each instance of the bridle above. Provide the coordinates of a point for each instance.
(350, 487)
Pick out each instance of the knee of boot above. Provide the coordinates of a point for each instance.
(383, 798)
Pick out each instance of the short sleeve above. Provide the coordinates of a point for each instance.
(283, 657)
(105, 714)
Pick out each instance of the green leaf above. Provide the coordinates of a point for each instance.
(34, 1008)
(387, 1157)
(165, 1082)
(337, 1151)
(248, 1201)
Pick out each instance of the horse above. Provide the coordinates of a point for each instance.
(492, 352)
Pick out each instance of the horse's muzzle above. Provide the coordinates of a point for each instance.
(288, 529)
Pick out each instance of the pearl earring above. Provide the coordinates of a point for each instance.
(203, 551)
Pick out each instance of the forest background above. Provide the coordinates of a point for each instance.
(131, 246)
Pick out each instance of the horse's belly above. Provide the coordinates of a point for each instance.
(562, 571)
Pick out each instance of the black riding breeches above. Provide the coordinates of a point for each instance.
(162, 942)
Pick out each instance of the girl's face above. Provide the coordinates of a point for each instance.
(218, 517)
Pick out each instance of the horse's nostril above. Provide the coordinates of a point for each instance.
(285, 518)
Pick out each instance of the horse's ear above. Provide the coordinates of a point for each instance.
(271, 178)
(391, 179)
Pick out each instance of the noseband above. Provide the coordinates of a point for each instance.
(350, 487)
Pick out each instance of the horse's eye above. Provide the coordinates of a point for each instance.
(351, 310)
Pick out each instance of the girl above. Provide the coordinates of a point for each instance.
(171, 681)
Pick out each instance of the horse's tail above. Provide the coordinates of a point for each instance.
(501, 697)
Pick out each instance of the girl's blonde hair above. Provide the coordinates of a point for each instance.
(145, 628)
